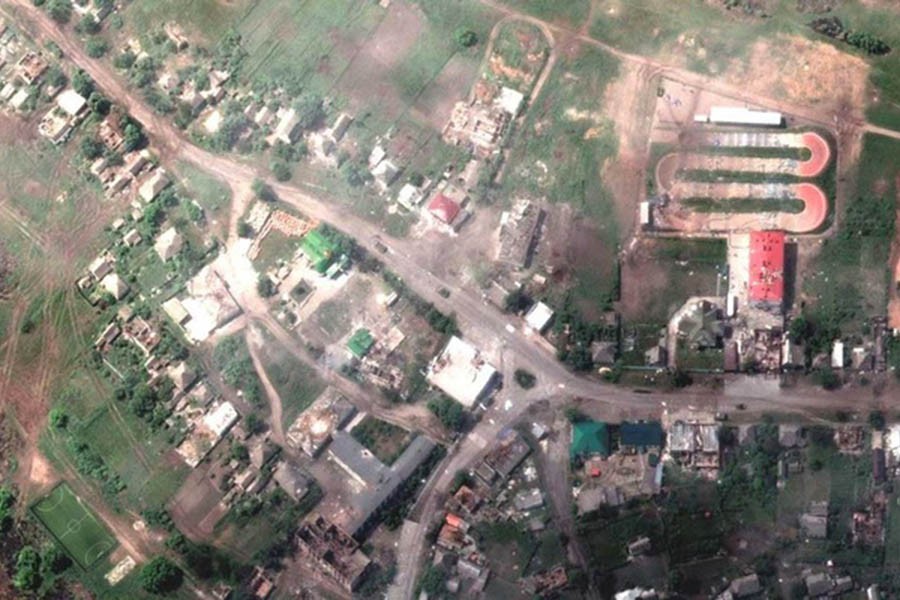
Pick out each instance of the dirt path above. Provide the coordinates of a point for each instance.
(254, 341)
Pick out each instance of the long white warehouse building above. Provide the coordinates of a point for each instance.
(735, 115)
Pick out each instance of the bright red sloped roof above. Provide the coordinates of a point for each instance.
(443, 208)
(767, 267)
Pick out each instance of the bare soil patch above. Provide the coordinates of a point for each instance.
(15, 130)
(436, 102)
(625, 105)
(802, 71)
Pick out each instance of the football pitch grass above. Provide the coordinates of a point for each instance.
(74, 526)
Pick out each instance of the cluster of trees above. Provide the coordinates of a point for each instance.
(449, 412)
(59, 10)
(34, 568)
(7, 501)
(445, 324)
(89, 462)
(232, 359)
(740, 485)
(833, 27)
(574, 349)
(161, 576)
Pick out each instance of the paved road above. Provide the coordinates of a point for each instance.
(482, 324)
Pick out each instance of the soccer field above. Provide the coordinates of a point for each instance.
(74, 526)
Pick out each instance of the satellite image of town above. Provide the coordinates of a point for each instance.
(449, 299)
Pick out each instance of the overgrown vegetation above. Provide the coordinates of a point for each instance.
(232, 359)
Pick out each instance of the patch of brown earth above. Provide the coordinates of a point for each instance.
(802, 71)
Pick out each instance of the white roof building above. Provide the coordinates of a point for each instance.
(736, 115)
(286, 130)
(71, 102)
(510, 101)
(114, 285)
(837, 355)
(154, 185)
(176, 310)
(409, 196)
(168, 244)
(219, 419)
(461, 372)
(538, 317)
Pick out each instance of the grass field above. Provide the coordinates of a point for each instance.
(569, 12)
(297, 383)
(848, 279)
(562, 147)
(213, 195)
(207, 20)
(74, 526)
(275, 247)
(664, 273)
(385, 440)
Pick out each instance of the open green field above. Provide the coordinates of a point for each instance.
(571, 13)
(848, 280)
(385, 440)
(298, 41)
(74, 526)
(209, 192)
(275, 247)
(662, 274)
(560, 150)
(297, 383)
(207, 20)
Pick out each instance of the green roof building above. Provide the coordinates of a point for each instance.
(319, 250)
(589, 438)
(361, 342)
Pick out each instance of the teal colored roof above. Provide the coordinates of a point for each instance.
(319, 249)
(361, 342)
(641, 435)
(589, 438)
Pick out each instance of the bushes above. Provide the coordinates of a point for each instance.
(449, 412)
(233, 360)
(525, 379)
(7, 501)
(88, 462)
(161, 576)
(28, 570)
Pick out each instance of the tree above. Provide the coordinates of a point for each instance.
(263, 190)
(466, 38)
(354, 173)
(574, 415)
(525, 379)
(309, 111)
(96, 47)
(88, 24)
(134, 137)
(99, 104)
(433, 580)
(7, 500)
(161, 576)
(265, 287)
(828, 379)
(448, 411)
(239, 452)
(124, 60)
(60, 10)
(28, 569)
(254, 424)
(55, 77)
(281, 171)
(91, 148)
(876, 420)
(53, 560)
(82, 83)
(58, 418)
(245, 230)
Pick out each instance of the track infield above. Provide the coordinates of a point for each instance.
(74, 526)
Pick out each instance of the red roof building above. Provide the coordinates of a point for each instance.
(443, 208)
(767, 267)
